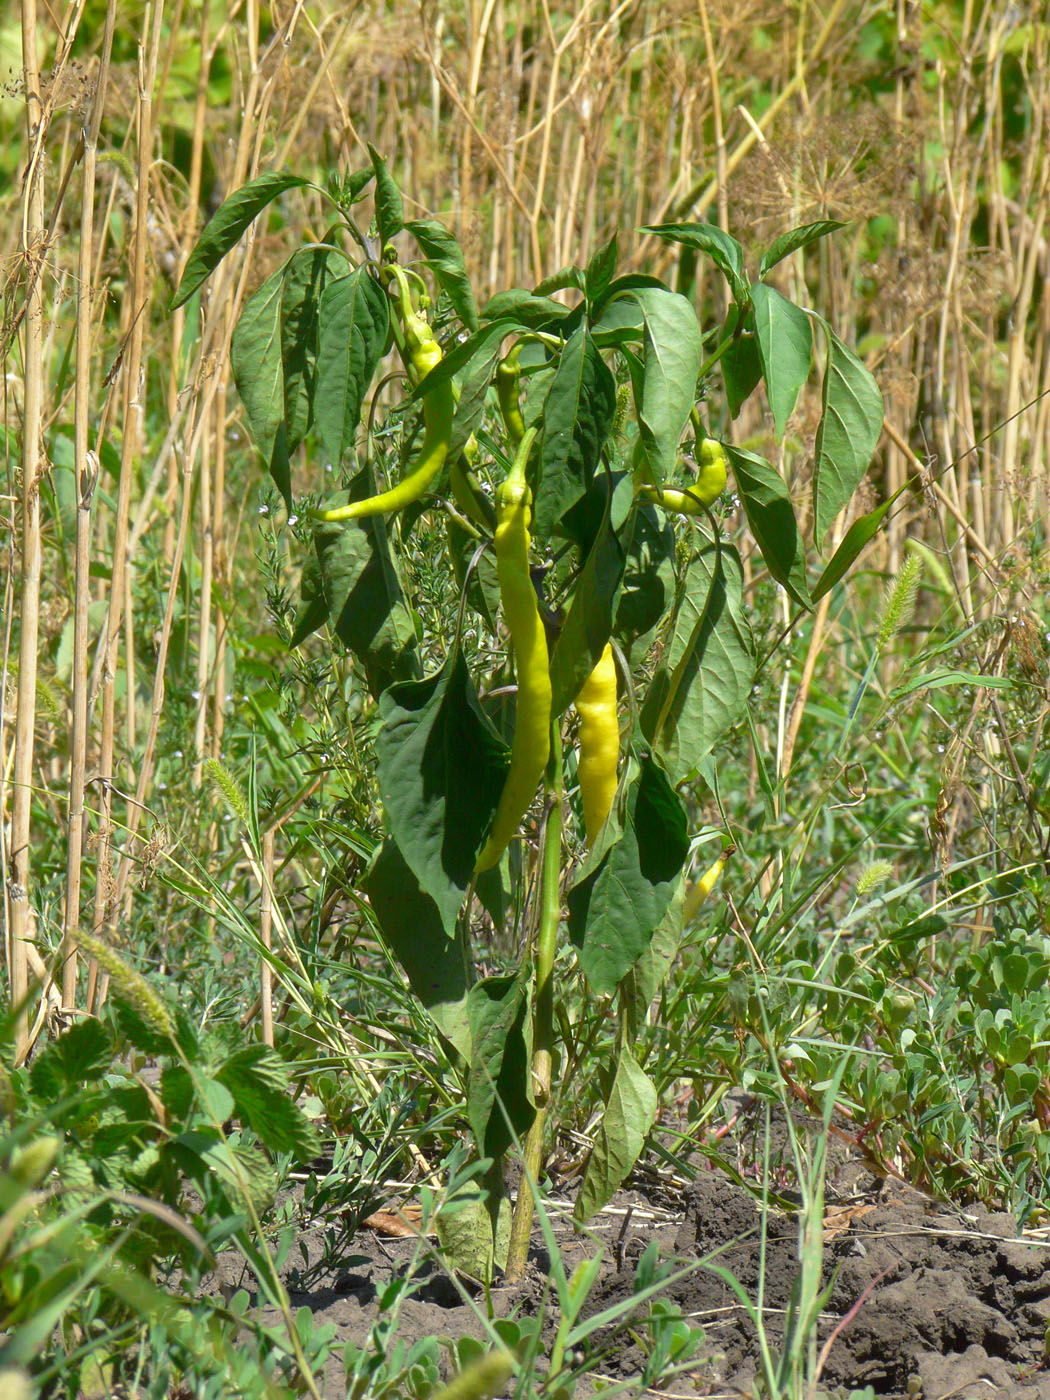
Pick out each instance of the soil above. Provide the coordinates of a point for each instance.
(924, 1303)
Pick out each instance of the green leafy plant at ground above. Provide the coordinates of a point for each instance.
(585, 417)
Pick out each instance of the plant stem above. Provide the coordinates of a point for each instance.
(543, 1011)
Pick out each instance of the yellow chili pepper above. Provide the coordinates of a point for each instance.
(599, 743)
(703, 887)
(530, 747)
(424, 353)
(709, 485)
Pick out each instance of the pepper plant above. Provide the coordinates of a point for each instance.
(573, 446)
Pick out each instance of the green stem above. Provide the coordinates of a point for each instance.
(546, 948)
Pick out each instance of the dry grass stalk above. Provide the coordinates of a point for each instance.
(19, 918)
(87, 468)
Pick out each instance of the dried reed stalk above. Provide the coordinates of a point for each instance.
(19, 917)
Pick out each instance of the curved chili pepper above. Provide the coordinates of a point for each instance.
(530, 747)
(691, 500)
(439, 407)
(508, 376)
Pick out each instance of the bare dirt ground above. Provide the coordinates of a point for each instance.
(925, 1302)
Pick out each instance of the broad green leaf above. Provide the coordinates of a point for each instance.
(701, 688)
(605, 306)
(351, 582)
(390, 212)
(857, 536)
(435, 965)
(354, 322)
(226, 226)
(620, 323)
(441, 767)
(648, 578)
(258, 372)
(565, 277)
(588, 626)
(470, 1243)
(671, 360)
(445, 259)
(655, 961)
(723, 250)
(525, 308)
(741, 370)
(850, 426)
(629, 1114)
(767, 504)
(80, 1055)
(794, 239)
(600, 270)
(785, 345)
(473, 394)
(628, 880)
(307, 273)
(500, 1063)
(577, 417)
(259, 1082)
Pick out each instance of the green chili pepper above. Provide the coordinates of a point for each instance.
(530, 746)
(508, 376)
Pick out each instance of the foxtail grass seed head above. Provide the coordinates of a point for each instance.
(898, 603)
(874, 875)
(229, 789)
(130, 984)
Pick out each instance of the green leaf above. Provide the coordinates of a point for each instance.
(600, 270)
(629, 1114)
(649, 576)
(628, 881)
(80, 1055)
(445, 259)
(741, 370)
(353, 584)
(226, 226)
(435, 965)
(850, 426)
(259, 1082)
(701, 688)
(473, 393)
(723, 250)
(794, 239)
(672, 355)
(258, 372)
(501, 1058)
(525, 308)
(354, 322)
(767, 504)
(576, 421)
(306, 275)
(588, 626)
(565, 277)
(352, 188)
(785, 345)
(656, 960)
(390, 212)
(441, 767)
(857, 536)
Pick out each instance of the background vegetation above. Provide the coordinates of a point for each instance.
(180, 788)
